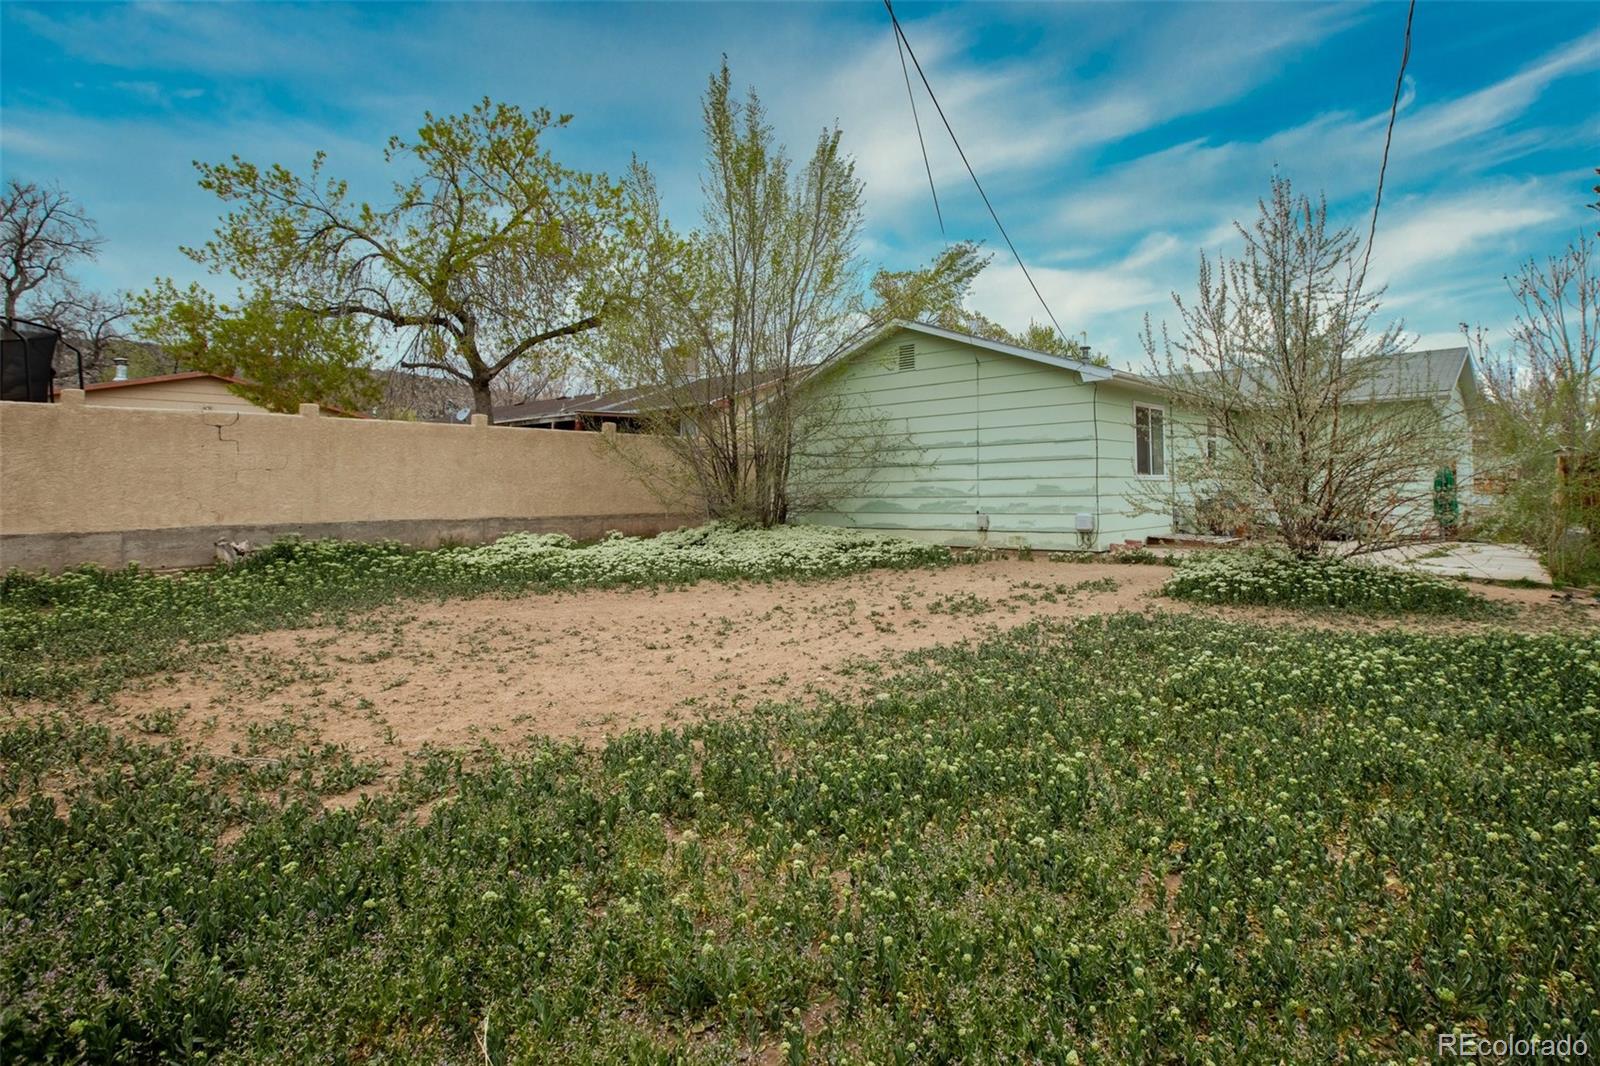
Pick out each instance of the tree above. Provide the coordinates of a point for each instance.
(725, 323)
(285, 355)
(44, 232)
(1291, 415)
(1543, 424)
(943, 298)
(489, 253)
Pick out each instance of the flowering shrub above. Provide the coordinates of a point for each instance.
(97, 626)
(1133, 839)
(1279, 579)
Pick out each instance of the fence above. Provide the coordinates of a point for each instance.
(113, 485)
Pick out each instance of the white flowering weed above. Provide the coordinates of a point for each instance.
(1130, 839)
(97, 627)
(1273, 578)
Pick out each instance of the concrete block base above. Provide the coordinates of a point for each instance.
(196, 545)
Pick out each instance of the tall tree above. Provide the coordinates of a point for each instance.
(44, 233)
(1295, 417)
(725, 322)
(1543, 424)
(489, 252)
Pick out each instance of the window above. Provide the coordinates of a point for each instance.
(1149, 452)
(907, 357)
(1211, 440)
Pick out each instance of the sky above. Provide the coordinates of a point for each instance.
(1116, 141)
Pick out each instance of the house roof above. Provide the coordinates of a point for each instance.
(1428, 373)
(183, 375)
(631, 402)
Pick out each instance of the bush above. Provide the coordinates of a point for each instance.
(1277, 579)
(95, 626)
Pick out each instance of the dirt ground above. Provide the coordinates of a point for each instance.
(593, 664)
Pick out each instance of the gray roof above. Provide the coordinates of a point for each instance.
(633, 402)
(1429, 373)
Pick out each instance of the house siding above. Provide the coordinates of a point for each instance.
(1415, 514)
(984, 433)
(190, 394)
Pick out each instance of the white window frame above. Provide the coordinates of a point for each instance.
(1154, 474)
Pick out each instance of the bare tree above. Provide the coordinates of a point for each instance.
(1543, 424)
(1292, 416)
(43, 232)
(93, 323)
(726, 323)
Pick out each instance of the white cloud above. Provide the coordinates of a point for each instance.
(1429, 231)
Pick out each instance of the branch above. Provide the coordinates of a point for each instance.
(428, 365)
(530, 343)
(394, 318)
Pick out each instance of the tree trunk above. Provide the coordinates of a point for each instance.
(482, 404)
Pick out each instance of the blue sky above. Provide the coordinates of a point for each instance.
(1116, 140)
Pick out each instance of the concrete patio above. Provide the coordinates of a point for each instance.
(1484, 562)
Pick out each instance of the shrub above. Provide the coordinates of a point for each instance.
(1271, 578)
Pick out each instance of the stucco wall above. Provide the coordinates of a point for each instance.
(111, 485)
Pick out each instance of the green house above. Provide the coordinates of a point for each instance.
(1001, 446)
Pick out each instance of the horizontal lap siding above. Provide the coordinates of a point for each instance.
(190, 395)
(1127, 501)
(991, 433)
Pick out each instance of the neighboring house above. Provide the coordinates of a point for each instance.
(191, 390)
(1009, 447)
(589, 410)
(629, 410)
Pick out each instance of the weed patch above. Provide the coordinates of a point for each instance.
(1276, 579)
(93, 628)
(1126, 839)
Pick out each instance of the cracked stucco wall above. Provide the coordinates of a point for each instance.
(81, 483)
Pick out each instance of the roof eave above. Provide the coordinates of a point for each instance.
(1088, 371)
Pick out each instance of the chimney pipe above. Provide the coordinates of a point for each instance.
(121, 363)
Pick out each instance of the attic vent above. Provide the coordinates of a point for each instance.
(906, 357)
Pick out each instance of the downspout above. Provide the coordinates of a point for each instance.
(977, 447)
(1094, 424)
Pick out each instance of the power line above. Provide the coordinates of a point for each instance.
(901, 34)
(1388, 138)
(899, 47)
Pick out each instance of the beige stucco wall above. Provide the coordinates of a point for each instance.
(81, 483)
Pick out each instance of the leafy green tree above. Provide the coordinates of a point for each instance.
(286, 355)
(725, 323)
(940, 294)
(488, 254)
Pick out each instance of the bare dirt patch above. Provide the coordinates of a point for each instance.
(588, 665)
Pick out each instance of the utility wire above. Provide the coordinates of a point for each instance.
(901, 48)
(901, 34)
(1388, 138)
